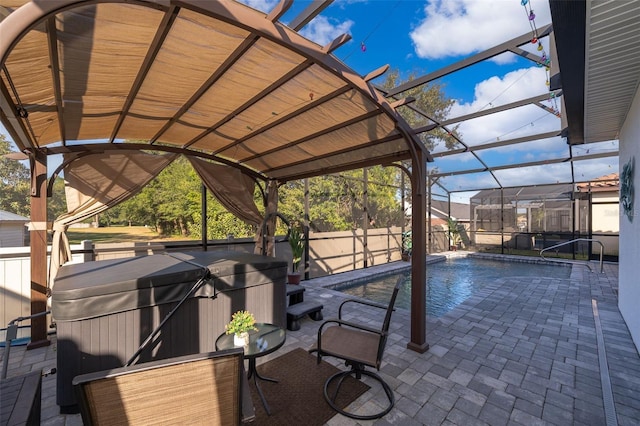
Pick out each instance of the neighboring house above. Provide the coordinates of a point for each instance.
(603, 196)
(605, 202)
(441, 210)
(13, 230)
(529, 209)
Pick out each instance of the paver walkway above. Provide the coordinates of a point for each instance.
(523, 351)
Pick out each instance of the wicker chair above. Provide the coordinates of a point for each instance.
(194, 389)
(359, 346)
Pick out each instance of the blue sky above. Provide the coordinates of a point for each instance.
(420, 36)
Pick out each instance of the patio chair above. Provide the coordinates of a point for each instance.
(194, 389)
(360, 346)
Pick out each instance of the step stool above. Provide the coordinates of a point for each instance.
(297, 311)
(295, 293)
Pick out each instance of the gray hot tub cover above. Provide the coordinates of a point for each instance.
(93, 289)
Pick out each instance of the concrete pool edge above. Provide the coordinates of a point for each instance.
(329, 282)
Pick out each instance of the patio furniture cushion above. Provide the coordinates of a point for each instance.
(359, 345)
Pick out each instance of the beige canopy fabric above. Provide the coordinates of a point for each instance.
(216, 80)
(95, 183)
(231, 187)
(234, 190)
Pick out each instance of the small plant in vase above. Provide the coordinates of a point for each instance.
(242, 322)
(296, 242)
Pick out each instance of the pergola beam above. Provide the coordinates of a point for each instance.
(497, 144)
(279, 10)
(487, 54)
(418, 342)
(528, 164)
(161, 34)
(52, 40)
(309, 13)
(38, 249)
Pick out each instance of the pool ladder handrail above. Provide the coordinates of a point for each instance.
(576, 240)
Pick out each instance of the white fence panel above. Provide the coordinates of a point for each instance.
(15, 282)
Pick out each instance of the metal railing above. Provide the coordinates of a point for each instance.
(576, 240)
(12, 332)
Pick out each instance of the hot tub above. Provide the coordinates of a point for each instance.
(105, 310)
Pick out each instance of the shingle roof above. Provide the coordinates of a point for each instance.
(12, 217)
(459, 211)
(604, 183)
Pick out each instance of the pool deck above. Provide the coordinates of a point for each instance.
(523, 351)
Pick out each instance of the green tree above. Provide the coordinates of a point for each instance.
(171, 205)
(431, 106)
(57, 203)
(14, 182)
(431, 100)
(337, 201)
(220, 223)
(167, 203)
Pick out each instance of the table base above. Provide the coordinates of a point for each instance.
(253, 372)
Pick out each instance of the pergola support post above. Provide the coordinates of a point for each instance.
(38, 245)
(203, 217)
(418, 341)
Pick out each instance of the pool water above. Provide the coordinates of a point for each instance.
(451, 282)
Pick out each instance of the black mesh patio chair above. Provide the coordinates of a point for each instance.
(360, 346)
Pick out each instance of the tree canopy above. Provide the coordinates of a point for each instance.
(431, 101)
(14, 182)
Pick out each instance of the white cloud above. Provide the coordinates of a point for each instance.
(495, 91)
(322, 30)
(261, 5)
(513, 86)
(523, 121)
(460, 27)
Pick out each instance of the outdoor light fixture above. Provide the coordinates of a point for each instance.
(626, 188)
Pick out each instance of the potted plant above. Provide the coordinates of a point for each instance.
(242, 322)
(296, 242)
(454, 234)
(407, 243)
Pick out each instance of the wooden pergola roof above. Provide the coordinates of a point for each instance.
(215, 79)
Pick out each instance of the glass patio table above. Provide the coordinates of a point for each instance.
(268, 339)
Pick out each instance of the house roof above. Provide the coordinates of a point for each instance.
(12, 217)
(605, 183)
(457, 211)
(598, 46)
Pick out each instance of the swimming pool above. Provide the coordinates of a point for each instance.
(451, 282)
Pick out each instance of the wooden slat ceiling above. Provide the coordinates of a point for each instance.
(215, 79)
